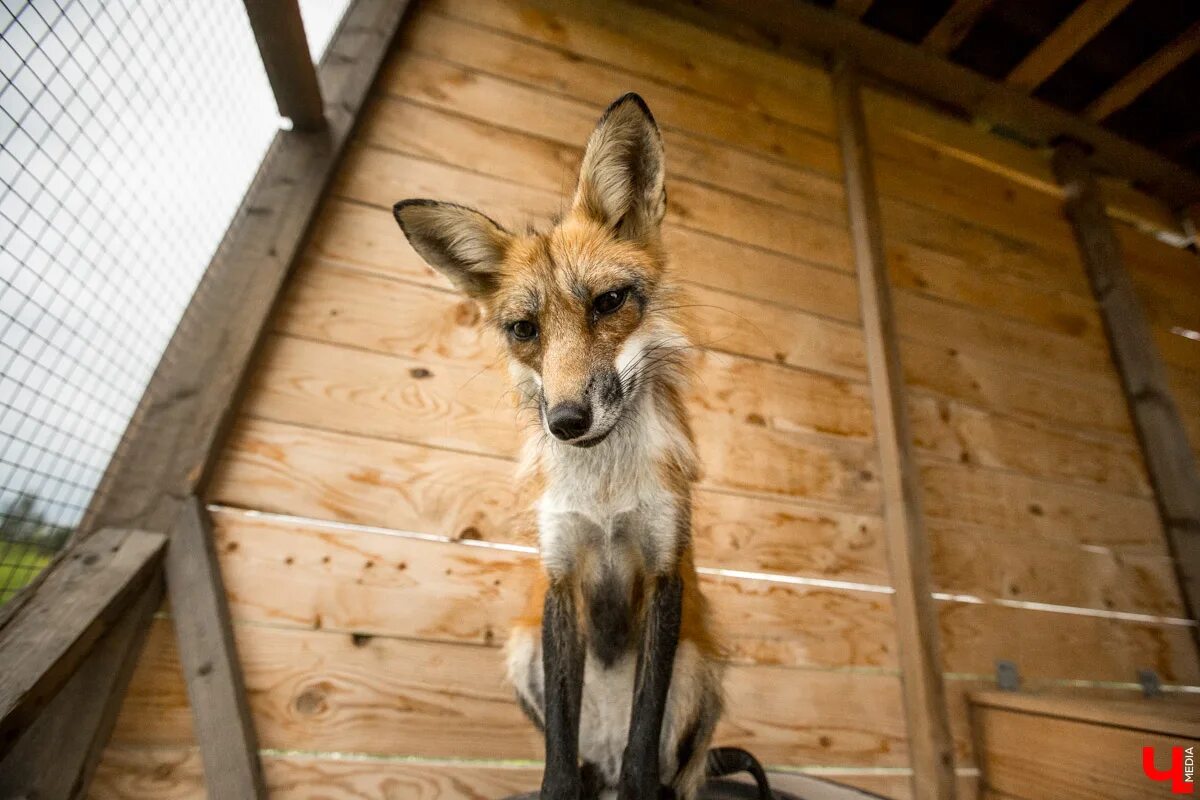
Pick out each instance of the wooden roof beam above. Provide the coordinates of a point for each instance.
(955, 25)
(1065, 41)
(1145, 75)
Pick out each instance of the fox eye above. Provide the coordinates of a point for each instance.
(523, 330)
(609, 302)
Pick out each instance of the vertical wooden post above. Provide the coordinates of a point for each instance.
(279, 31)
(200, 612)
(930, 743)
(1168, 458)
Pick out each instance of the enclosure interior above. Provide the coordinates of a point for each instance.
(363, 499)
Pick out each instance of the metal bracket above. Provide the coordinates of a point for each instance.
(1151, 685)
(1008, 678)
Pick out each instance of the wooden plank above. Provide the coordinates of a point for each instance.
(925, 705)
(1169, 460)
(175, 774)
(1007, 341)
(1029, 756)
(954, 26)
(346, 306)
(365, 237)
(1145, 75)
(956, 280)
(1144, 714)
(652, 46)
(1079, 28)
(965, 435)
(530, 63)
(806, 29)
(279, 32)
(75, 726)
(209, 659)
(286, 572)
(1022, 506)
(76, 604)
(1063, 646)
(332, 692)
(1012, 390)
(969, 560)
(380, 178)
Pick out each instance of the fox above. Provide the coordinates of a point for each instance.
(615, 657)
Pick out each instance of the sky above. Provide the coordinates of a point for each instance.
(129, 131)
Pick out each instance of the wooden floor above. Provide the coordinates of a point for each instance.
(363, 500)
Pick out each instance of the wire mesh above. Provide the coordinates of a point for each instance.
(129, 131)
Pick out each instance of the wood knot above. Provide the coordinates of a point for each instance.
(361, 639)
(470, 533)
(420, 373)
(312, 700)
(466, 314)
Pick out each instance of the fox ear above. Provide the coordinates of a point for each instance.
(621, 179)
(457, 241)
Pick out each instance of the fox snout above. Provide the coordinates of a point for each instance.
(569, 421)
(585, 419)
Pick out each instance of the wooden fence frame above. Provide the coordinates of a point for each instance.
(56, 714)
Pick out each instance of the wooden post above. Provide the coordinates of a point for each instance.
(279, 31)
(76, 724)
(1168, 458)
(930, 743)
(216, 690)
(79, 600)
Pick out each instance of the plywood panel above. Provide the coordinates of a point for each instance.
(313, 690)
(367, 237)
(960, 433)
(1016, 505)
(1063, 646)
(346, 306)
(664, 49)
(175, 773)
(946, 370)
(988, 564)
(289, 572)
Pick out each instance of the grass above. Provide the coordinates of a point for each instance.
(19, 564)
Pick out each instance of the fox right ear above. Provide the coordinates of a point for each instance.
(457, 241)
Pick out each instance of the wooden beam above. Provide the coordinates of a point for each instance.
(1063, 42)
(853, 8)
(954, 25)
(1145, 75)
(279, 31)
(217, 693)
(806, 29)
(75, 605)
(1169, 459)
(908, 553)
(74, 728)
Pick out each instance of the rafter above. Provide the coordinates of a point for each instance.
(855, 8)
(954, 25)
(1145, 75)
(1065, 41)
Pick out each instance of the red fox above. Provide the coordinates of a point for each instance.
(615, 658)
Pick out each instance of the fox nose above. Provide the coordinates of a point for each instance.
(569, 420)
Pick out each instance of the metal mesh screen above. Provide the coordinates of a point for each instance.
(129, 131)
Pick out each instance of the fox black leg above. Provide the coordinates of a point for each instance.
(656, 659)
(562, 664)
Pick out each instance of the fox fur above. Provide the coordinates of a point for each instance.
(591, 322)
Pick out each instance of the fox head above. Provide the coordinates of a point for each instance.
(584, 308)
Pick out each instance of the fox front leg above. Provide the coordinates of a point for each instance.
(562, 663)
(640, 778)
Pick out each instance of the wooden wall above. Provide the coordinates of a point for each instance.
(363, 499)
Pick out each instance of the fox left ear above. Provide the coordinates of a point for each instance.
(621, 180)
(457, 241)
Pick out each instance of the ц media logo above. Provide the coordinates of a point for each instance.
(1181, 773)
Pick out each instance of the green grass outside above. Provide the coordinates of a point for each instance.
(19, 564)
